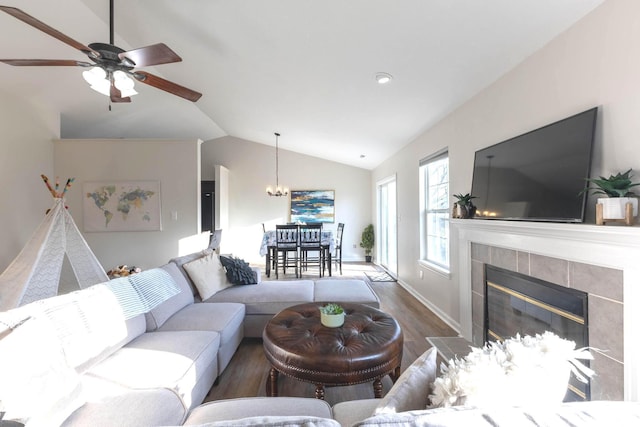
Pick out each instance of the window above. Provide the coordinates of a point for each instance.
(434, 205)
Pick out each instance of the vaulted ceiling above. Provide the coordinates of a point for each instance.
(304, 68)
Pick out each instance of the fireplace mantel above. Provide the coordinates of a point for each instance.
(614, 246)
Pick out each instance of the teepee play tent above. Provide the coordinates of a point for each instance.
(35, 273)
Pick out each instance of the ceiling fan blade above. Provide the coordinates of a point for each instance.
(30, 20)
(166, 85)
(116, 95)
(151, 55)
(49, 62)
(116, 99)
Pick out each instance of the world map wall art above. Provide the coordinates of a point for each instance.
(312, 206)
(121, 206)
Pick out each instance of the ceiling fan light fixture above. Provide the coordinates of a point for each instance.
(124, 83)
(97, 79)
(127, 92)
(102, 86)
(94, 75)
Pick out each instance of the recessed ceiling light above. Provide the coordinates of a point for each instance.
(383, 78)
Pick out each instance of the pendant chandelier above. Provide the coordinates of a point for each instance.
(279, 191)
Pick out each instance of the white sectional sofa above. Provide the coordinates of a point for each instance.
(80, 360)
(147, 370)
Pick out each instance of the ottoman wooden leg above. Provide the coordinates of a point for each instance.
(272, 383)
(320, 391)
(377, 388)
(395, 374)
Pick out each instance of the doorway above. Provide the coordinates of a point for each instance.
(387, 247)
(207, 206)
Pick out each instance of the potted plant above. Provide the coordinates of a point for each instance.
(332, 315)
(618, 189)
(463, 208)
(367, 241)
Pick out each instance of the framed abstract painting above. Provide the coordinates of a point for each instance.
(121, 206)
(312, 206)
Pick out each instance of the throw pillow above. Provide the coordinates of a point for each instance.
(411, 390)
(182, 260)
(208, 275)
(238, 271)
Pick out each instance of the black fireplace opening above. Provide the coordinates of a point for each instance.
(516, 303)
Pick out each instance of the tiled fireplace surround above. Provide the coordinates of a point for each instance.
(603, 261)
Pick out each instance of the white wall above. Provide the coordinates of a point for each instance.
(594, 63)
(252, 167)
(174, 163)
(26, 152)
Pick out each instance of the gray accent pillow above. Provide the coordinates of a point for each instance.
(238, 271)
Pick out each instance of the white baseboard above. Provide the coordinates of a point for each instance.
(443, 316)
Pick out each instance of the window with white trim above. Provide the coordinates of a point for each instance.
(434, 206)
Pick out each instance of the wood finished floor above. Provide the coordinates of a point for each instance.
(247, 372)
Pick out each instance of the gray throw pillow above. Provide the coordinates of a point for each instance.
(238, 271)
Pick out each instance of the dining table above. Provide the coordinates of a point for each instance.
(268, 247)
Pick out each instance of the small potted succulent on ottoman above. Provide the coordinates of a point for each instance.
(621, 203)
(332, 315)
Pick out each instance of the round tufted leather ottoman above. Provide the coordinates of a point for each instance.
(366, 348)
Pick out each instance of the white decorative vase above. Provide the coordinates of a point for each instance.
(332, 320)
(614, 207)
(546, 385)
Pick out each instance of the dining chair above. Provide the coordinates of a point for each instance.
(338, 246)
(271, 256)
(311, 243)
(287, 240)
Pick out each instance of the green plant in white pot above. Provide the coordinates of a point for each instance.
(463, 207)
(618, 189)
(332, 315)
(367, 241)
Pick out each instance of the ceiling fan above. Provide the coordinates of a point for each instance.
(111, 70)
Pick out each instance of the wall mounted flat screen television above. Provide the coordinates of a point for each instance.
(537, 176)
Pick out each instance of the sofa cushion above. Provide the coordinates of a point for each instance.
(276, 421)
(351, 411)
(37, 384)
(110, 404)
(567, 414)
(89, 323)
(411, 390)
(235, 409)
(224, 318)
(156, 317)
(267, 297)
(345, 290)
(208, 275)
(238, 271)
(174, 360)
